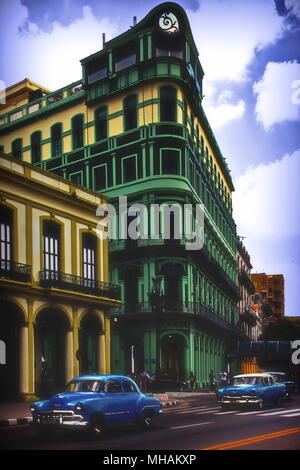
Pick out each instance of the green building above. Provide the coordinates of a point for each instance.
(134, 126)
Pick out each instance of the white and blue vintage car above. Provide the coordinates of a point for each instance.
(251, 389)
(92, 402)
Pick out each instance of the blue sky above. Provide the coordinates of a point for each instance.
(250, 53)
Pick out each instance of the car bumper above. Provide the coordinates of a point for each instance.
(245, 400)
(61, 419)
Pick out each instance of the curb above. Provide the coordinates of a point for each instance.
(167, 404)
(14, 422)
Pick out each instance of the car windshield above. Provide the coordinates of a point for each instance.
(246, 380)
(86, 386)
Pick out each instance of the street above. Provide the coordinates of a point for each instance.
(197, 423)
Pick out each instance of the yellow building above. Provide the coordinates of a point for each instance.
(55, 294)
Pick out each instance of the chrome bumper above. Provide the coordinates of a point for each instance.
(61, 418)
(244, 400)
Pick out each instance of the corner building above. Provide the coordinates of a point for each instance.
(134, 126)
(54, 294)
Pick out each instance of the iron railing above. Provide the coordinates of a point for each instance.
(15, 271)
(58, 280)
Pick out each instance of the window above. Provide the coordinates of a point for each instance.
(36, 147)
(76, 177)
(125, 56)
(101, 123)
(89, 256)
(51, 246)
(169, 53)
(129, 387)
(5, 237)
(16, 148)
(170, 162)
(168, 103)
(129, 169)
(56, 140)
(96, 70)
(114, 387)
(77, 131)
(100, 177)
(130, 112)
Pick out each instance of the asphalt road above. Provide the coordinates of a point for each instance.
(194, 425)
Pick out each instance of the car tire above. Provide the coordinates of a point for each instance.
(147, 420)
(97, 426)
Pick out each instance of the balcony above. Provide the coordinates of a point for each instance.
(15, 271)
(249, 317)
(191, 308)
(55, 279)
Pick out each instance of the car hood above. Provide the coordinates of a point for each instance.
(70, 399)
(238, 390)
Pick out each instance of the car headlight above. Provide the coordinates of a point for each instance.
(32, 409)
(79, 407)
(252, 393)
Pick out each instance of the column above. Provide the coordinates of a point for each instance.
(24, 361)
(69, 363)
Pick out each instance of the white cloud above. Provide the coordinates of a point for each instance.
(266, 200)
(228, 33)
(222, 109)
(275, 93)
(266, 210)
(293, 6)
(51, 59)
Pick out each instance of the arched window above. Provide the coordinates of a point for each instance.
(51, 249)
(36, 147)
(56, 139)
(101, 123)
(168, 103)
(77, 131)
(5, 237)
(16, 148)
(130, 112)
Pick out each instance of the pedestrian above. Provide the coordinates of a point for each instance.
(223, 379)
(192, 380)
(144, 381)
(212, 381)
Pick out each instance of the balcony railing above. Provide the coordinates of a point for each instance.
(15, 271)
(58, 280)
(177, 308)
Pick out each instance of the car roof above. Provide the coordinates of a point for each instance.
(277, 373)
(100, 377)
(259, 374)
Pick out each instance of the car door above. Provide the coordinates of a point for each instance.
(131, 398)
(117, 410)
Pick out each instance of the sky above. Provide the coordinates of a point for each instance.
(250, 53)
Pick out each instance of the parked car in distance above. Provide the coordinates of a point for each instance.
(92, 402)
(282, 378)
(251, 389)
(166, 383)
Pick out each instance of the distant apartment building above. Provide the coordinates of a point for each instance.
(269, 290)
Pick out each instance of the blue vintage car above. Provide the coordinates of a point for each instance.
(251, 389)
(282, 378)
(93, 401)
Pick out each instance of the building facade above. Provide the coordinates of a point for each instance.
(249, 313)
(134, 126)
(269, 290)
(54, 290)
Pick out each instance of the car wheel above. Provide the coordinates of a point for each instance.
(96, 426)
(147, 420)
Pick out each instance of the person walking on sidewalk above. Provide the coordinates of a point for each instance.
(192, 380)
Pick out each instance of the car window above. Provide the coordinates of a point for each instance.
(86, 386)
(129, 387)
(114, 387)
